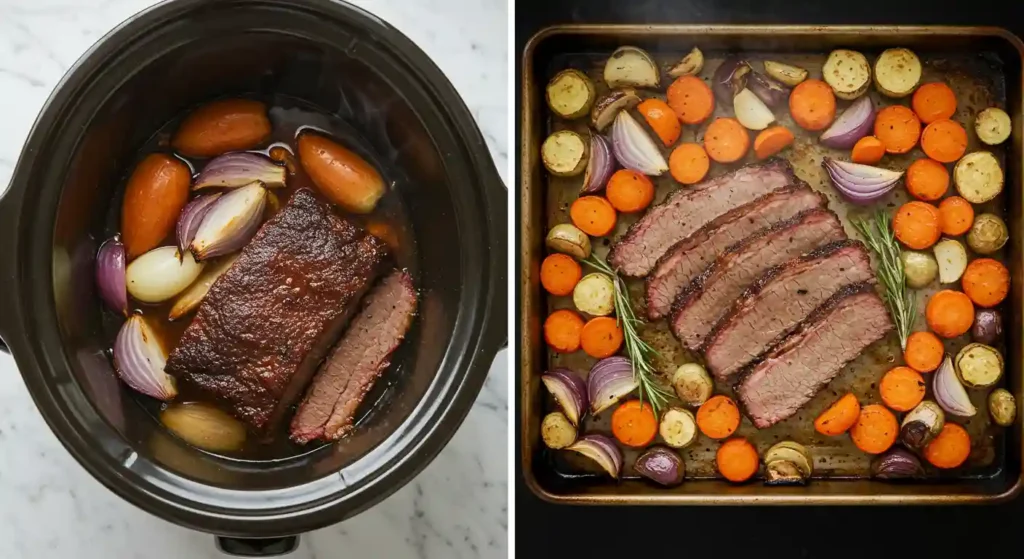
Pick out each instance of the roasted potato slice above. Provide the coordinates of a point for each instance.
(993, 126)
(848, 73)
(978, 177)
(565, 153)
(897, 72)
(570, 94)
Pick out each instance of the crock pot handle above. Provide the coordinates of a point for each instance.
(257, 547)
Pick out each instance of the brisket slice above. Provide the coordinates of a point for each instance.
(779, 301)
(329, 408)
(259, 334)
(806, 361)
(707, 298)
(688, 209)
(688, 258)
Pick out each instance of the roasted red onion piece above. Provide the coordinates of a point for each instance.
(110, 281)
(661, 465)
(600, 449)
(191, 216)
(610, 380)
(140, 359)
(767, 89)
(949, 393)
(860, 184)
(569, 391)
(232, 170)
(856, 122)
(898, 463)
(634, 148)
(231, 222)
(730, 78)
(600, 165)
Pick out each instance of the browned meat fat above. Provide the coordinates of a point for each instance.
(328, 410)
(259, 334)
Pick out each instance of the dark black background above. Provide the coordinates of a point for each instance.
(544, 530)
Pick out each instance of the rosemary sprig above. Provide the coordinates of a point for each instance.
(640, 352)
(879, 236)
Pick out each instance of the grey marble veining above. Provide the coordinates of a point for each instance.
(52, 508)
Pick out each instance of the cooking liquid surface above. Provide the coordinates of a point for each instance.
(289, 117)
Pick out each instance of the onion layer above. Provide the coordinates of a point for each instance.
(139, 359)
(600, 165)
(856, 122)
(860, 184)
(204, 426)
(191, 216)
(569, 391)
(232, 170)
(231, 222)
(110, 282)
(634, 148)
(600, 449)
(191, 297)
(610, 380)
(161, 274)
(949, 393)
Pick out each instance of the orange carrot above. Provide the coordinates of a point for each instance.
(916, 224)
(689, 163)
(949, 313)
(944, 141)
(934, 101)
(629, 191)
(772, 141)
(726, 140)
(956, 216)
(927, 180)
(383, 231)
(601, 337)
(839, 417)
(559, 274)
(593, 215)
(662, 119)
(986, 282)
(718, 417)
(868, 150)
(562, 331)
(737, 460)
(634, 424)
(949, 448)
(924, 352)
(902, 388)
(898, 128)
(691, 99)
(812, 105)
(875, 430)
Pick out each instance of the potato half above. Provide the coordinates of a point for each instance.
(993, 126)
(951, 258)
(632, 67)
(565, 153)
(979, 365)
(897, 72)
(848, 73)
(570, 94)
(978, 177)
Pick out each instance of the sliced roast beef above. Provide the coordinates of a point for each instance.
(807, 360)
(259, 334)
(707, 298)
(355, 363)
(688, 258)
(779, 301)
(688, 209)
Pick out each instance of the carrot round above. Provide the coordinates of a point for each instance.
(898, 128)
(812, 105)
(875, 430)
(629, 191)
(868, 150)
(562, 331)
(771, 141)
(924, 352)
(956, 216)
(944, 140)
(950, 448)
(839, 417)
(691, 99)
(593, 215)
(916, 225)
(662, 119)
(986, 282)
(634, 424)
(718, 417)
(737, 460)
(934, 101)
(726, 140)
(689, 163)
(601, 337)
(902, 388)
(927, 179)
(559, 274)
(949, 313)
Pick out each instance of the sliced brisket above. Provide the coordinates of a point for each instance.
(779, 301)
(806, 361)
(688, 209)
(688, 258)
(707, 298)
(328, 410)
(271, 318)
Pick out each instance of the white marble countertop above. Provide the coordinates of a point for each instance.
(50, 507)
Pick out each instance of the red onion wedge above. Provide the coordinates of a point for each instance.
(610, 380)
(661, 465)
(730, 78)
(949, 393)
(860, 184)
(140, 359)
(634, 148)
(232, 170)
(191, 216)
(600, 449)
(767, 89)
(856, 122)
(600, 165)
(230, 223)
(569, 391)
(110, 281)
